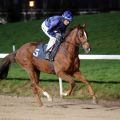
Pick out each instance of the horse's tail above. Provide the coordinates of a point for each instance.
(5, 64)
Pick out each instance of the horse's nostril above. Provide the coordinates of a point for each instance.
(87, 50)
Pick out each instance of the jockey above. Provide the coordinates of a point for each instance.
(54, 27)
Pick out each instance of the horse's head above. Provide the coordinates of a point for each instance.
(82, 38)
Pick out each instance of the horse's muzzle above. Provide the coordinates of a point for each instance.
(87, 50)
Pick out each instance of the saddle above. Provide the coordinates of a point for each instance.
(40, 51)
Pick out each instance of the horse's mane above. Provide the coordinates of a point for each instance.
(69, 31)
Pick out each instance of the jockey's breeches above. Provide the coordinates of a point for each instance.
(52, 39)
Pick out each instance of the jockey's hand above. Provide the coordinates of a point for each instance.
(58, 37)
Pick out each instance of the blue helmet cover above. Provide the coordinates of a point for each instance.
(67, 15)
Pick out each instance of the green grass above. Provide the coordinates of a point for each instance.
(104, 36)
(102, 74)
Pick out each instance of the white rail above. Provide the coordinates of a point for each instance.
(88, 57)
(3, 55)
(100, 57)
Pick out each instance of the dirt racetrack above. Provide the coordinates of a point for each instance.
(25, 108)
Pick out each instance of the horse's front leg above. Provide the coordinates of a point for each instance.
(80, 77)
(68, 79)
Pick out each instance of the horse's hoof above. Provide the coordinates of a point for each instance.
(50, 99)
(65, 94)
(95, 101)
(47, 95)
(40, 104)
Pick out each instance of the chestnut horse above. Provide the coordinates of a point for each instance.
(66, 63)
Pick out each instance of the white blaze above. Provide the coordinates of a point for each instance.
(85, 35)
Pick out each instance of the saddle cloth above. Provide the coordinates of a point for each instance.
(40, 51)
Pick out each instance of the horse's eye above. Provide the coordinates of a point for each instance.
(81, 34)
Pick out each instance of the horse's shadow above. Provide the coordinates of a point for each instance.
(56, 80)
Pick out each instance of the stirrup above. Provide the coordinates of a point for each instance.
(47, 51)
(47, 55)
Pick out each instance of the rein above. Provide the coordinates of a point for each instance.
(76, 44)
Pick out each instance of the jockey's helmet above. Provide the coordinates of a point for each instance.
(67, 15)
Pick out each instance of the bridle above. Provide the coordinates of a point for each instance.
(77, 44)
(82, 43)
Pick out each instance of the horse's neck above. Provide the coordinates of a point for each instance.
(70, 43)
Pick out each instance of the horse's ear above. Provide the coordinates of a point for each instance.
(78, 25)
(84, 25)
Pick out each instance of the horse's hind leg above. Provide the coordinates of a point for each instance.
(80, 77)
(34, 79)
(37, 74)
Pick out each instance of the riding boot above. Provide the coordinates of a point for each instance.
(54, 50)
(48, 55)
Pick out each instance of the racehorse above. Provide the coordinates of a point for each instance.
(66, 63)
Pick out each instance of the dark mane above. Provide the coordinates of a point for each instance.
(69, 31)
